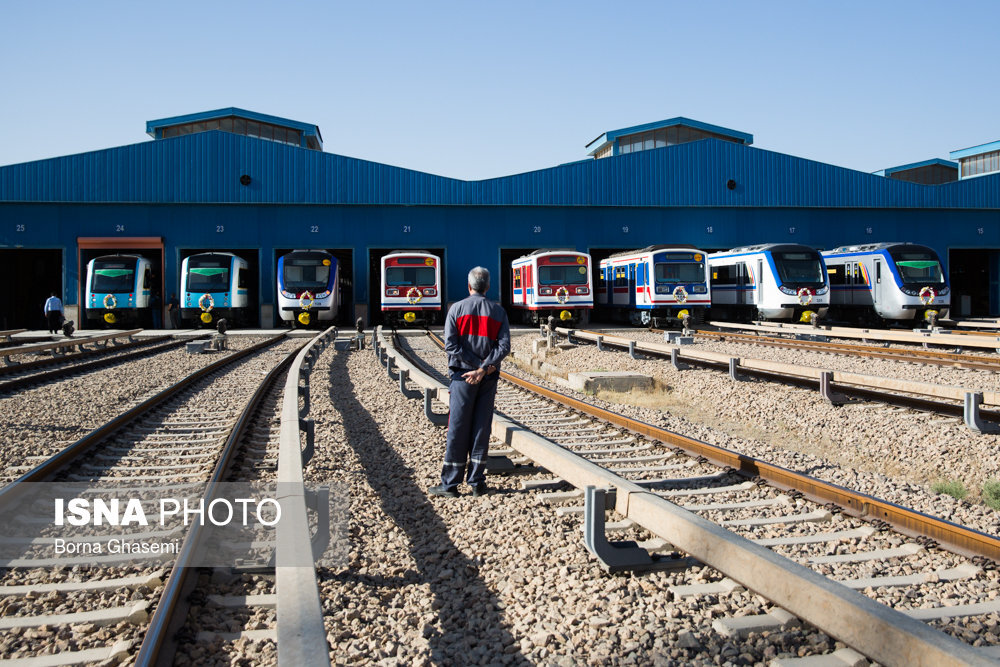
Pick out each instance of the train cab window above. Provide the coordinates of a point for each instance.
(409, 276)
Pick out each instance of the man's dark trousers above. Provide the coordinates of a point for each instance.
(54, 318)
(470, 419)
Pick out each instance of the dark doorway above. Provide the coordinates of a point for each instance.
(345, 258)
(251, 318)
(30, 276)
(375, 256)
(155, 257)
(974, 275)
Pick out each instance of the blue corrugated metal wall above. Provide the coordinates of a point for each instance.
(206, 167)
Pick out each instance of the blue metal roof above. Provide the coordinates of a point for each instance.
(917, 165)
(976, 150)
(206, 168)
(306, 128)
(609, 137)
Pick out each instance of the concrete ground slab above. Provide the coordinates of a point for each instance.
(609, 381)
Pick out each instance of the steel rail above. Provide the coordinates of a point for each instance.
(58, 373)
(879, 632)
(158, 647)
(967, 361)
(12, 491)
(960, 539)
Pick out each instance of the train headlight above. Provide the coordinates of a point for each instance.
(545, 291)
(787, 290)
(820, 291)
(909, 291)
(323, 295)
(662, 289)
(287, 295)
(943, 291)
(699, 289)
(392, 292)
(583, 291)
(430, 291)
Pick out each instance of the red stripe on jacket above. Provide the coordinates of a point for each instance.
(478, 325)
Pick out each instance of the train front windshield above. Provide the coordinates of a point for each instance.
(208, 275)
(680, 272)
(307, 272)
(799, 268)
(574, 274)
(409, 276)
(918, 265)
(113, 277)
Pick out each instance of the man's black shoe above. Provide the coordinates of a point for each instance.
(443, 491)
(480, 489)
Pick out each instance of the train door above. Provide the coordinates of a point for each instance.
(759, 291)
(850, 282)
(877, 281)
(631, 284)
(640, 284)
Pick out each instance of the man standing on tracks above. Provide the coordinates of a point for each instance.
(476, 338)
(53, 312)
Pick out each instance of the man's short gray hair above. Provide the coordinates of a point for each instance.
(479, 280)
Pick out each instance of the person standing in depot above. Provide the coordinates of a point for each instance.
(53, 312)
(476, 338)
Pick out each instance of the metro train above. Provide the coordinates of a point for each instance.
(214, 285)
(308, 287)
(888, 281)
(655, 286)
(118, 289)
(773, 281)
(552, 282)
(411, 288)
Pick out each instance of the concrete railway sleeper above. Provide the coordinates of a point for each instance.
(228, 392)
(774, 537)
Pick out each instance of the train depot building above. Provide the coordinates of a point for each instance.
(259, 186)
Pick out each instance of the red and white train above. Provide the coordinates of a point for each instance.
(553, 282)
(411, 288)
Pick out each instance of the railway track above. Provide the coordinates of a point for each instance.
(837, 387)
(933, 357)
(806, 545)
(27, 374)
(88, 604)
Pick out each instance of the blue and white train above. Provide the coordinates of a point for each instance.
(308, 287)
(887, 281)
(118, 289)
(214, 285)
(552, 282)
(655, 286)
(771, 281)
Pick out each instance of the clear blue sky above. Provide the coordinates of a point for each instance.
(481, 89)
